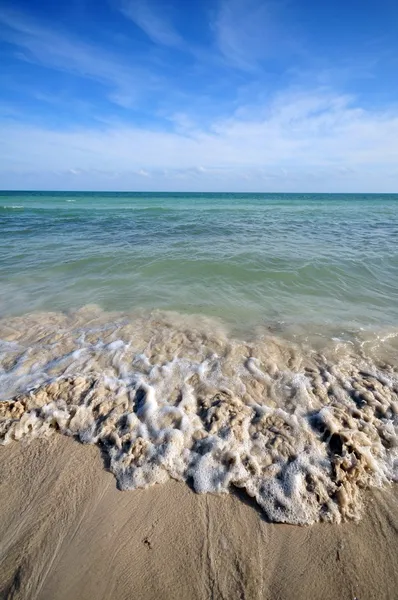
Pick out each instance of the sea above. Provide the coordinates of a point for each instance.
(224, 340)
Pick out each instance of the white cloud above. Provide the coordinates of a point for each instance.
(148, 18)
(41, 45)
(299, 139)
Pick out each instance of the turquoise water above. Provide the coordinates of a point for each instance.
(271, 365)
(248, 258)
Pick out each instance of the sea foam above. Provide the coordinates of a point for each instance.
(301, 429)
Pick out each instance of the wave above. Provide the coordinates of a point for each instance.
(302, 428)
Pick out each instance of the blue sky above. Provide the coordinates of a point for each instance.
(202, 95)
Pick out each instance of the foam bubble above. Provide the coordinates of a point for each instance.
(302, 430)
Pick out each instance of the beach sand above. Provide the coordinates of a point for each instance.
(67, 532)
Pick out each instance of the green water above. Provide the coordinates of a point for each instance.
(248, 258)
(288, 390)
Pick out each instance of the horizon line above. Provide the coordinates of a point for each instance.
(58, 191)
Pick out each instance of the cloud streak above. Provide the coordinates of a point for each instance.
(250, 32)
(202, 116)
(298, 135)
(148, 18)
(62, 52)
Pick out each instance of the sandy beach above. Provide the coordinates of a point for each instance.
(68, 533)
(198, 300)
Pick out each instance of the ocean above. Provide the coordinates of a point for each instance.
(247, 258)
(225, 340)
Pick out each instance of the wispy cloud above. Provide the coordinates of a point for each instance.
(149, 17)
(249, 32)
(57, 50)
(211, 117)
(317, 138)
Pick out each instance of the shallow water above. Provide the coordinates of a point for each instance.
(221, 340)
(250, 259)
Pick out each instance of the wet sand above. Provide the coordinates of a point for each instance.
(67, 532)
(303, 426)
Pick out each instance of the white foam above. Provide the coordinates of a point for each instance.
(301, 432)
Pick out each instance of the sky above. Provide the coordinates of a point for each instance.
(199, 95)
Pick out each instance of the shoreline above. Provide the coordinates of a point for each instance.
(302, 430)
(67, 532)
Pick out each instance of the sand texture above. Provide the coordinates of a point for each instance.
(303, 427)
(68, 533)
